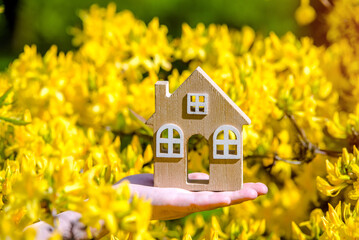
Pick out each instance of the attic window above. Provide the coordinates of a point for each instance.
(197, 103)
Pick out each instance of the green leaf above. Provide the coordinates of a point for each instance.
(14, 121)
(145, 130)
(120, 122)
(4, 96)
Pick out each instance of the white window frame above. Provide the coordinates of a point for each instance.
(226, 142)
(196, 104)
(170, 141)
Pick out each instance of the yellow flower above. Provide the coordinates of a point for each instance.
(82, 133)
(305, 14)
(343, 173)
(192, 43)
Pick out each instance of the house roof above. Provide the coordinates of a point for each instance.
(245, 118)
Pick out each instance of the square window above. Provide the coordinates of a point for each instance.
(197, 103)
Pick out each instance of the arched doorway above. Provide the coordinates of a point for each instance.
(197, 158)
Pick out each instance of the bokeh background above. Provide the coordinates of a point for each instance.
(45, 23)
(76, 85)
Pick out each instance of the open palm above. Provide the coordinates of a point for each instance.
(167, 203)
(172, 203)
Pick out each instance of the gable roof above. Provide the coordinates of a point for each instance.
(246, 119)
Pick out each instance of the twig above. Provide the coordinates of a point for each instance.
(300, 131)
(307, 150)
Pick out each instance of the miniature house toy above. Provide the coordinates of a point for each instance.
(198, 106)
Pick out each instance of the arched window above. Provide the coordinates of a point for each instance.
(169, 141)
(226, 143)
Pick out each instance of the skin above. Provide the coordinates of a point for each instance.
(167, 203)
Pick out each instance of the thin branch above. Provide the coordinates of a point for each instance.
(275, 158)
(330, 153)
(300, 131)
(307, 152)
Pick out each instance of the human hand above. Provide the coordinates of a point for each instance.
(69, 226)
(172, 203)
(167, 203)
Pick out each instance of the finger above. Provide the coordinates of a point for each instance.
(242, 195)
(202, 201)
(198, 175)
(260, 188)
(250, 191)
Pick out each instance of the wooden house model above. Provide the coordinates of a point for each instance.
(198, 106)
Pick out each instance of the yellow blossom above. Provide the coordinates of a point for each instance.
(71, 125)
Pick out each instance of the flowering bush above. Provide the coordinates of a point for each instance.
(69, 127)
